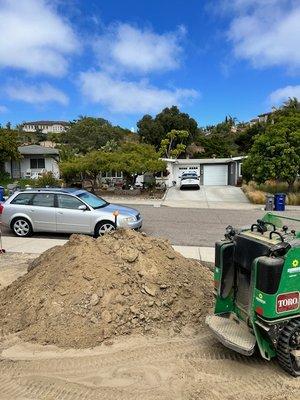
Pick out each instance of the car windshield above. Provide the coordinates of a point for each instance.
(92, 200)
(192, 176)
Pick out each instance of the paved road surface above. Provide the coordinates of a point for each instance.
(189, 227)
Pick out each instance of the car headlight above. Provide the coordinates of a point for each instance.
(127, 220)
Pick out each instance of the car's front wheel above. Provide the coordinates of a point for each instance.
(22, 227)
(104, 227)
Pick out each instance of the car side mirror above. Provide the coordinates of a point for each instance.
(83, 207)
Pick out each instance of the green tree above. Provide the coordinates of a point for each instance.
(215, 145)
(8, 146)
(88, 133)
(40, 135)
(245, 139)
(275, 154)
(172, 146)
(66, 153)
(154, 130)
(110, 145)
(130, 158)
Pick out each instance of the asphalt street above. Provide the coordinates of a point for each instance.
(187, 226)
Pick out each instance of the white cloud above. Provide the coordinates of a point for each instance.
(139, 50)
(130, 97)
(3, 109)
(36, 94)
(280, 95)
(267, 33)
(34, 37)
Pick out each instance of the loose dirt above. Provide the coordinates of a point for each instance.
(91, 290)
(13, 265)
(184, 367)
(164, 366)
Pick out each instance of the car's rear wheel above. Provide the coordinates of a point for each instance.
(22, 227)
(104, 227)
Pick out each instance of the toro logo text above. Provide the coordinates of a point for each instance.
(287, 302)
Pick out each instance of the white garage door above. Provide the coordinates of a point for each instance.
(215, 175)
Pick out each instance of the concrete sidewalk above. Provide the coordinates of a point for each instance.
(39, 245)
(216, 205)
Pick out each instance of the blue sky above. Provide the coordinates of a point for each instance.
(122, 59)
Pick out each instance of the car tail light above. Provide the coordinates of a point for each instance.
(1, 208)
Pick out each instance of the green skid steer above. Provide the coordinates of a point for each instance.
(257, 290)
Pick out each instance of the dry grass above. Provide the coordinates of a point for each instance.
(257, 193)
(254, 196)
(293, 199)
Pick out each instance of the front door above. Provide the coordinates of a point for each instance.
(42, 212)
(69, 218)
(15, 169)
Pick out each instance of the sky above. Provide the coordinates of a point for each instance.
(119, 60)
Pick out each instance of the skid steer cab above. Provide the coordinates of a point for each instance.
(257, 290)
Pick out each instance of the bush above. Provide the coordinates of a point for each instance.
(277, 187)
(22, 183)
(255, 196)
(293, 199)
(257, 193)
(5, 178)
(47, 179)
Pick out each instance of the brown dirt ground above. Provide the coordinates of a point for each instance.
(163, 365)
(89, 290)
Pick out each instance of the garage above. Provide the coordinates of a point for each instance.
(215, 175)
(180, 169)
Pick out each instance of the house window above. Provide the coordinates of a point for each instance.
(37, 163)
(113, 174)
(240, 169)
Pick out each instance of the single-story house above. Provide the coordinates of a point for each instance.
(35, 161)
(212, 171)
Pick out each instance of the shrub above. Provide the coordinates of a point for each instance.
(47, 179)
(293, 199)
(257, 193)
(255, 196)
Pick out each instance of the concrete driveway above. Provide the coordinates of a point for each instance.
(208, 197)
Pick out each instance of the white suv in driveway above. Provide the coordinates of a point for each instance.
(189, 180)
(65, 210)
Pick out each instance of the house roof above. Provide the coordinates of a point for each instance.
(265, 114)
(65, 123)
(203, 160)
(35, 149)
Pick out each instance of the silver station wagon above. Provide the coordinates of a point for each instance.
(66, 211)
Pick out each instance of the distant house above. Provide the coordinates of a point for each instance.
(212, 171)
(35, 161)
(46, 126)
(262, 118)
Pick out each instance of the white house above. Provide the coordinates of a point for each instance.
(35, 160)
(212, 171)
(46, 126)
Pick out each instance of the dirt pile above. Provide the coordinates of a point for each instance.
(89, 290)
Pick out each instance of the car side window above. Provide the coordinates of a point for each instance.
(43, 200)
(70, 202)
(22, 199)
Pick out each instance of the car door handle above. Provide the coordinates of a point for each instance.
(31, 210)
(59, 212)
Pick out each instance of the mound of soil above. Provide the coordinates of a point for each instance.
(89, 290)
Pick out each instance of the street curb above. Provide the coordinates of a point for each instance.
(39, 245)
